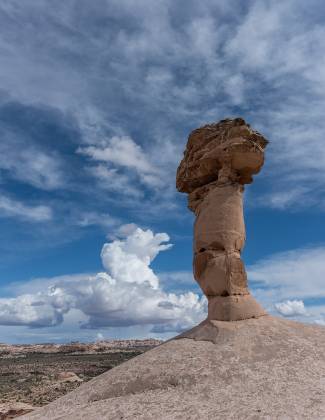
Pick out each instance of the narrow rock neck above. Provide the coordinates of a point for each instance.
(219, 237)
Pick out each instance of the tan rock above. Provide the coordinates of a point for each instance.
(227, 268)
(265, 368)
(219, 159)
(233, 308)
(68, 377)
(12, 410)
(220, 222)
(216, 147)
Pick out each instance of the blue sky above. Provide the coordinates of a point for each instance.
(96, 102)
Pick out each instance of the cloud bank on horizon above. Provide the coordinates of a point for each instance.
(128, 293)
(96, 102)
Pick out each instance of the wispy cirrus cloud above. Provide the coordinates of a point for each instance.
(26, 155)
(124, 153)
(32, 213)
(266, 60)
(31, 166)
(114, 181)
(292, 77)
(165, 73)
(291, 283)
(297, 273)
(91, 218)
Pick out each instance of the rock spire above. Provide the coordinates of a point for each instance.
(218, 161)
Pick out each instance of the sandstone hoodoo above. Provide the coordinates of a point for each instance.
(237, 364)
(218, 161)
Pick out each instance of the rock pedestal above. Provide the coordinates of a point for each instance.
(218, 161)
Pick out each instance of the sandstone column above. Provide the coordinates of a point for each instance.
(219, 159)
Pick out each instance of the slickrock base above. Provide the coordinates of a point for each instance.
(234, 308)
(264, 368)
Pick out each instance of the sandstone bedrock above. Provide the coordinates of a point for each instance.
(264, 368)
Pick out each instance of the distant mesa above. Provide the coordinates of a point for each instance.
(219, 159)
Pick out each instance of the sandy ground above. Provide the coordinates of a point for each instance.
(266, 368)
(34, 375)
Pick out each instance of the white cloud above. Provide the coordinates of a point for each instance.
(124, 230)
(110, 179)
(278, 48)
(129, 259)
(124, 152)
(32, 310)
(91, 218)
(298, 273)
(14, 208)
(287, 280)
(285, 199)
(99, 337)
(128, 293)
(291, 308)
(320, 322)
(235, 87)
(30, 165)
(170, 70)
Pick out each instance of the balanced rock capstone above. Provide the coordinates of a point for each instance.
(218, 161)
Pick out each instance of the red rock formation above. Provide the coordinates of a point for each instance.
(219, 159)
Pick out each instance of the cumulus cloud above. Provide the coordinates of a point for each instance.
(14, 208)
(40, 310)
(129, 259)
(127, 293)
(124, 230)
(291, 308)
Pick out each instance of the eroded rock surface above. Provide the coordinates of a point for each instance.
(14, 409)
(219, 159)
(265, 368)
